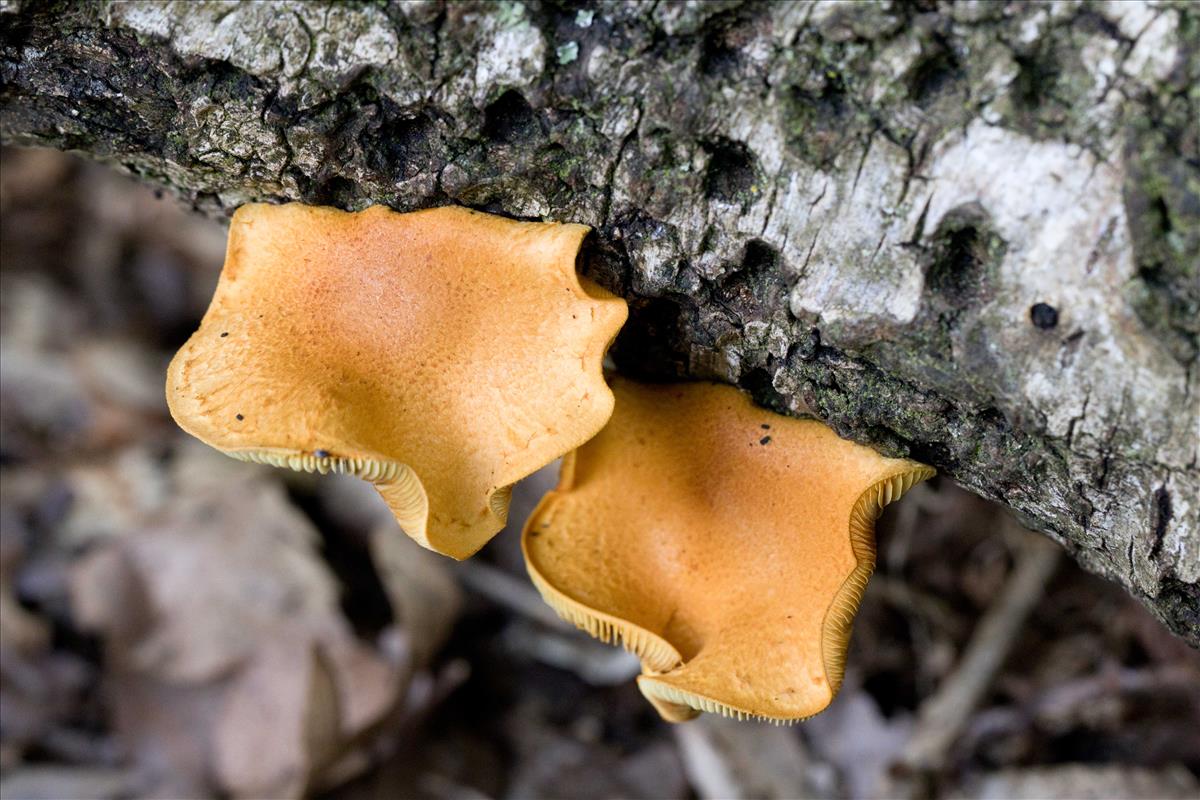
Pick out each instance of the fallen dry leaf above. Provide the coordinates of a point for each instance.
(164, 729)
(289, 690)
(221, 592)
(221, 573)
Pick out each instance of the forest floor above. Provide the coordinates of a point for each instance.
(179, 624)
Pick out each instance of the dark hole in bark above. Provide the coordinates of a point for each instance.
(955, 268)
(932, 453)
(730, 172)
(717, 57)
(1043, 316)
(752, 289)
(1162, 513)
(1089, 21)
(509, 118)
(759, 382)
(962, 252)
(1037, 74)
(805, 347)
(405, 147)
(645, 347)
(831, 103)
(934, 75)
(819, 123)
(600, 261)
(1164, 214)
(337, 191)
(726, 36)
(759, 256)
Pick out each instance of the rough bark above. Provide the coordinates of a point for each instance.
(852, 210)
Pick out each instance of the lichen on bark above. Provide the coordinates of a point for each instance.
(847, 209)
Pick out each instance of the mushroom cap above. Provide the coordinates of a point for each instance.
(726, 545)
(442, 355)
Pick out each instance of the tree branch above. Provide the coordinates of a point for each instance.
(964, 233)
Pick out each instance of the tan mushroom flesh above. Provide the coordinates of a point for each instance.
(726, 545)
(441, 355)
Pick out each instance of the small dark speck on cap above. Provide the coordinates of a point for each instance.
(224, 334)
(766, 427)
(240, 418)
(765, 440)
(1043, 316)
(321, 453)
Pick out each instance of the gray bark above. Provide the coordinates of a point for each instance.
(852, 210)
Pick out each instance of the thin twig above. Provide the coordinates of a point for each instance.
(944, 716)
(505, 590)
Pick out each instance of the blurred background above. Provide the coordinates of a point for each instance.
(176, 624)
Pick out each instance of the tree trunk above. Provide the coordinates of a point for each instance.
(965, 233)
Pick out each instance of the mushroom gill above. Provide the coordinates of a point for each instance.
(725, 545)
(441, 355)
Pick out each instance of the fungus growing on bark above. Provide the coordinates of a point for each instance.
(730, 562)
(441, 355)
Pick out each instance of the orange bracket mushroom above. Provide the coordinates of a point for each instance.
(441, 355)
(725, 545)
